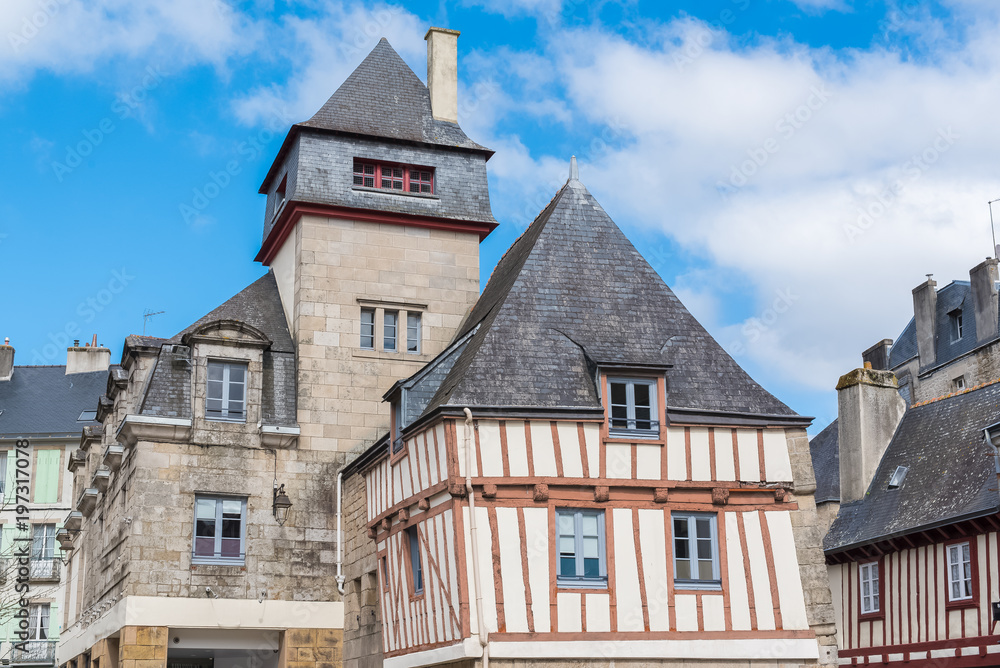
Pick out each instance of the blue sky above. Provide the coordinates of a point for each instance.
(747, 147)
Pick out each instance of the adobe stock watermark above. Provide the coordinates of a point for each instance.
(756, 327)
(695, 48)
(249, 150)
(87, 310)
(125, 104)
(786, 127)
(912, 170)
(34, 23)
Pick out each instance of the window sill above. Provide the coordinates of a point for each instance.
(643, 440)
(622, 434)
(871, 616)
(962, 603)
(582, 585)
(707, 585)
(398, 193)
(197, 563)
(390, 354)
(228, 420)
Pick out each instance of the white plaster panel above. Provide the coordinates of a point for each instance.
(739, 600)
(536, 533)
(569, 446)
(512, 578)
(489, 448)
(647, 461)
(517, 449)
(725, 466)
(676, 454)
(791, 601)
(618, 461)
(713, 612)
(777, 466)
(626, 573)
(701, 461)
(763, 605)
(541, 448)
(598, 612)
(686, 609)
(568, 606)
(592, 436)
(746, 444)
(652, 540)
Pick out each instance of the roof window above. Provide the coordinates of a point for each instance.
(898, 476)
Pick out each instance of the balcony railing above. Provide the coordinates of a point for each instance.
(44, 570)
(33, 652)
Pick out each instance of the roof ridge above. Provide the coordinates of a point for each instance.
(955, 394)
(40, 366)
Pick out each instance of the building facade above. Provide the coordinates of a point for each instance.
(42, 411)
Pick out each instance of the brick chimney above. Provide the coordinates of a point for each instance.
(984, 298)
(442, 73)
(925, 318)
(878, 355)
(6, 360)
(90, 357)
(869, 410)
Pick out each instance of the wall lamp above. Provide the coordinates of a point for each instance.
(281, 504)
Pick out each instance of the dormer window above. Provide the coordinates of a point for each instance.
(395, 177)
(279, 196)
(632, 403)
(955, 317)
(226, 398)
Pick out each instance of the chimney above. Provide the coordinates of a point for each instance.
(878, 355)
(984, 298)
(925, 318)
(6, 360)
(90, 357)
(442, 73)
(869, 409)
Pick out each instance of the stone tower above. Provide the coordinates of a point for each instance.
(375, 210)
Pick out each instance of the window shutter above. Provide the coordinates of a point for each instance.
(46, 476)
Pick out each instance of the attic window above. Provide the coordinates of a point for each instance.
(955, 318)
(399, 178)
(87, 416)
(898, 476)
(279, 195)
(959, 383)
(633, 407)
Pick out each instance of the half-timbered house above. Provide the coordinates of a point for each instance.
(584, 475)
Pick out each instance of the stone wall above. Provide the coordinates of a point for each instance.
(362, 611)
(980, 366)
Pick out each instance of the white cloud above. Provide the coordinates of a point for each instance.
(819, 6)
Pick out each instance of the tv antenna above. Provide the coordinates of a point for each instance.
(146, 315)
(996, 252)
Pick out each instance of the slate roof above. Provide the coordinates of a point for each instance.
(825, 451)
(955, 295)
(44, 400)
(384, 98)
(259, 305)
(573, 293)
(951, 474)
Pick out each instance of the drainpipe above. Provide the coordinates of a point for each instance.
(484, 636)
(340, 534)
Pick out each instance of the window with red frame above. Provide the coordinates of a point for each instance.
(402, 178)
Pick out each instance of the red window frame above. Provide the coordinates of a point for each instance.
(394, 177)
(973, 602)
(880, 613)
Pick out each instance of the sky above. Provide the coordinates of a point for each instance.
(791, 168)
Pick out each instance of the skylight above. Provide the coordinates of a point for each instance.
(896, 481)
(87, 416)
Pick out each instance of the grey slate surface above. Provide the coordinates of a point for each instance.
(571, 293)
(955, 295)
(825, 451)
(384, 98)
(950, 475)
(44, 400)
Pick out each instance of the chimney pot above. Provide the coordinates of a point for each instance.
(442, 73)
(6, 360)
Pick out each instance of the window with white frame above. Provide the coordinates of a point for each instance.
(390, 325)
(955, 319)
(696, 551)
(959, 572)
(226, 396)
(38, 621)
(959, 384)
(416, 569)
(413, 332)
(368, 329)
(43, 542)
(869, 588)
(3, 472)
(581, 545)
(219, 530)
(632, 402)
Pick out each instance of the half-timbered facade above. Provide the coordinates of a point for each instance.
(914, 562)
(585, 475)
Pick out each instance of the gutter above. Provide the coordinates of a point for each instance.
(340, 533)
(484, 636)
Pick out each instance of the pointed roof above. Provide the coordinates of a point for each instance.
(573, 294)
(258, 305)
(384, 98)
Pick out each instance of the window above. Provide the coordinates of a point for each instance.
(897, 477)
(279, 195)
(87, 416)
(43, 542)
(38, 622)
(219, 530)
(582, 560)
(412, 332)
(390, 320)
(959, 383)
(415, 567)
(633, 407)
(959, 572)
(384, 567)
(696, 551)
(398, 178)
(226, 391)
(956, 324)
(368, 328)
(869, 588)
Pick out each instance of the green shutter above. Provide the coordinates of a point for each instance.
(46, 476)
(55, 621)
(10, 485)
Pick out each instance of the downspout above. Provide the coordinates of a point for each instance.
(340, 534)
(484, 636)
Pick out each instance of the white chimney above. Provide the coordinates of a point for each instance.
(90, 357)
(6, 360)
(442, 73)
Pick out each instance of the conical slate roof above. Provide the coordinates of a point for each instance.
(384, 98)
(573, 293)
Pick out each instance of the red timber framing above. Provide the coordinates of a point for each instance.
(918, 624)
(523, 470)
(293, 212)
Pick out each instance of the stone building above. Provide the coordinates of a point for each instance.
(47, 406)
